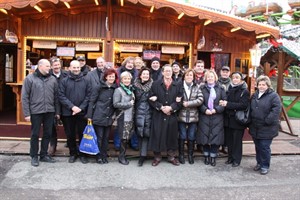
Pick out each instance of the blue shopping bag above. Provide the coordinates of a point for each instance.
(88, 142)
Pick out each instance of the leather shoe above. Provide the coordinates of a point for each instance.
(34, 161)
(83, 159)
(47, 158)
(99, 161)
(105, 161)
(155, 162)
(235, 164)
(72, 159)
(228, 162)
(141, 161)
(174, 162)
(257, 167)
(264, 171)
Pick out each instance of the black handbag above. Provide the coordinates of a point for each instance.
(243, 116)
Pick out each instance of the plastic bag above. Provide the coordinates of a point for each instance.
(88, 142)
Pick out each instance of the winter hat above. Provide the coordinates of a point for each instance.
(175, 63)
(239, 73)
(154, 59)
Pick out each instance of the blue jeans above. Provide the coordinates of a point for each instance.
(263, 152)
(187, 130)
(134, 141)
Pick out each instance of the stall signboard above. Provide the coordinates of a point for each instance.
(42, 44)
(149, 54)
(172, 49)
(131, 47)
(94, 55)
(87, 46)
(65, 51)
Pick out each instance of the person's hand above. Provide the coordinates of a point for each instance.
(208, 112)
(132, 102)
(213, 111)
(167, 110)
(76, 110)
(223, 103)
(178, 99)
(27, 119)
(57, 117)
(153, 98)
(185, 104)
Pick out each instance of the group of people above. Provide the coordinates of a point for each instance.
(163, 107)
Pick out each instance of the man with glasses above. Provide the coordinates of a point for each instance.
(59, 74)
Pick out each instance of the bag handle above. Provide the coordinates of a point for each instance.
(89, 122)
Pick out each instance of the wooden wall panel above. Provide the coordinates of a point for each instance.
(79, 25)
(128, 26)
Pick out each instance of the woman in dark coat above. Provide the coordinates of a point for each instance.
(237, 99)
(164, 125)
(210, 127)
(101, 110)
(123, 100)
(143, 114)
(264, 125)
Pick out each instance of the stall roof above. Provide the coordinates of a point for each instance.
(291, 41)
(199, 12)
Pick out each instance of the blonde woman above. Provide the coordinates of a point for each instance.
(123, 101)
(210, 126)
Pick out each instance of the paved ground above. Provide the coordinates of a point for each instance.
(61, 180)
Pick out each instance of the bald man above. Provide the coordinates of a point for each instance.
(39, 103)
(74, 93)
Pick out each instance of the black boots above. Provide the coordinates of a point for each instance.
(213, 161)
(206, 160)
(191, 145)
(122, 156)
(181, 151)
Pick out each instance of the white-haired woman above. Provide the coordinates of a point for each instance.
(123, 101)
(264, 125)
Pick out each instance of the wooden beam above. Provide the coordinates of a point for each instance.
(293, 103)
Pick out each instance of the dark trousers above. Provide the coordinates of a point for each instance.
(263, 152)
(36, 121)
(210, 150)
(235, 144)
(74, 125)
(143, 145)
(102, 139)
(53, 140)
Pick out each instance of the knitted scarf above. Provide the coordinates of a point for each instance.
(212, 96)
(127, 89)
(146, 86)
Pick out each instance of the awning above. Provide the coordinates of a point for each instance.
(201, 13)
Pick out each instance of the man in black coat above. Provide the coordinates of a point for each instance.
(96, 75)
(165, 99)
(74, 93)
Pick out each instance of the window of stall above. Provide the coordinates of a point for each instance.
(65, 48)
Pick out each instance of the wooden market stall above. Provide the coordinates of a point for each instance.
(101, 28)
